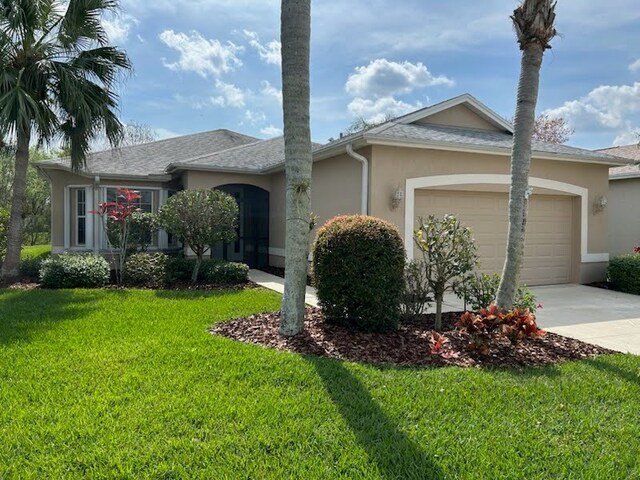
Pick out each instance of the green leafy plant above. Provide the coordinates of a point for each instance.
(74, 271)
(416, 294)
(4, 225)
(624, 273)
(201, 219)
(492, 323)
(142, 226)
(30, 266)
(218, 272)
(449, 254)
(480, 290)
(146, 270)
(358, 268)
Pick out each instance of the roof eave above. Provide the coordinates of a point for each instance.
(106, 175)
(181, 167)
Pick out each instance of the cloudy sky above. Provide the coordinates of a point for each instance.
(207, 64)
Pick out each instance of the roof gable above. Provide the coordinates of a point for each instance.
(464, 111)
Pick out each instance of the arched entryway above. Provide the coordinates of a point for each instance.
(252, 244)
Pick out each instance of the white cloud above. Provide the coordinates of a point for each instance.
(230, 95)
(118, 27)
(376, 110)
(202, 56)
(635, 66)
(628, 137)
(605, 107)
(269, 90)
(271, 131)
(383, 78)
(254, 117)
(270, 52)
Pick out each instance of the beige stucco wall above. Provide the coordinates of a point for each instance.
(335, 190)
(624, 215)
(459, 116)
(391, 166)
(192, 180)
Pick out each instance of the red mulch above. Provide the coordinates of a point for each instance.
(410, 345)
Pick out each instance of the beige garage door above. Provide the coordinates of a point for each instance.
(548, 242)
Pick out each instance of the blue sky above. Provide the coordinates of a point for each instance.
(207, 64)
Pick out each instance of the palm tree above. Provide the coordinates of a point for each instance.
(295, 38)
(534, 25)
(58, 76)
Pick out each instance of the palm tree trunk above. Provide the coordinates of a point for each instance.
(11, 265)
(295, 38)
(520, 164)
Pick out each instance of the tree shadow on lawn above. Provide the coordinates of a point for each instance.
(395, 454)
(602, 364)
(179, 294)
(26, 313)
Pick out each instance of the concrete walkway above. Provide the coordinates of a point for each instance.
(594, 315)
(273, 282)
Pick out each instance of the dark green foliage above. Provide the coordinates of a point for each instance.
(146, 270)
(142, 228)
(480, 290)
(358, 267)
(224, 273)
(624, 273)
(212, 272)
(74, 271)
(30, 265)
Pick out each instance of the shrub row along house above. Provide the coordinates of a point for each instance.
(452, 157)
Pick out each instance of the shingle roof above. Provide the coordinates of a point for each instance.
(153, 158)
(472, 138)
(631, 152)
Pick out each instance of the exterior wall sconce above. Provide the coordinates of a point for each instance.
(600, 204)
(396, 199)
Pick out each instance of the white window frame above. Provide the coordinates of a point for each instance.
(88, 195)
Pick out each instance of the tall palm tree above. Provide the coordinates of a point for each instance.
(533, 21)
(296, 38)
(58, 76)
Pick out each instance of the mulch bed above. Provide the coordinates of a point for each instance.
(410, 345)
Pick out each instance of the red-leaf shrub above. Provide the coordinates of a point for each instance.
(636, 249)
(492, 323)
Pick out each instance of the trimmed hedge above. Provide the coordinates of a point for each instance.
(146, 270)
(624, 273)
(74, 271)
(213, 271)
(30, 266)
(358, 268)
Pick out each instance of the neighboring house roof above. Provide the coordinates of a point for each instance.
(632, 152)
(224, 150)
(151, 159)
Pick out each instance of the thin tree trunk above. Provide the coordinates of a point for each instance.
(295, 37)
(520, 164)
(439, 300)
(11, 265)
(196, 268)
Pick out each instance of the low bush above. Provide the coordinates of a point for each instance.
(224, 273)
(146, 270)
(4, 229)
(624, 273)
(479, 291)
(30, 266)
(491, 324)
(416, 293)
(358, 268)
(213, 271)
(74, 271)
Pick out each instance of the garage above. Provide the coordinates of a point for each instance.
(548, 246)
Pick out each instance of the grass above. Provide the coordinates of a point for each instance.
(33, 251)
(129, 384)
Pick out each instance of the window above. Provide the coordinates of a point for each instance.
(81, 216)
(145, 203)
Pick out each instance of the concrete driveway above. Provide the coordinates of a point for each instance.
(594, 315)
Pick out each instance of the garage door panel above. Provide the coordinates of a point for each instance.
(548, 245)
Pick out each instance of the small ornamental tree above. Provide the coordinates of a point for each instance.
(449, 255)
(117, 217)
(201, 219)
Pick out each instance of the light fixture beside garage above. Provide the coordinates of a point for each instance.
(600, 204)
(396, 199)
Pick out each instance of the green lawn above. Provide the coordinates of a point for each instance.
(32, 251)
(129, 384)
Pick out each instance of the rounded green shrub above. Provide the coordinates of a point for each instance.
(179, 269)
(624, 273)
(30, 266)
(74, 271)
(146, 270)
(217, 272)
(358, 269)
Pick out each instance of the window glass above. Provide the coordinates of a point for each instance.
(81, 222)
(145, 203)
